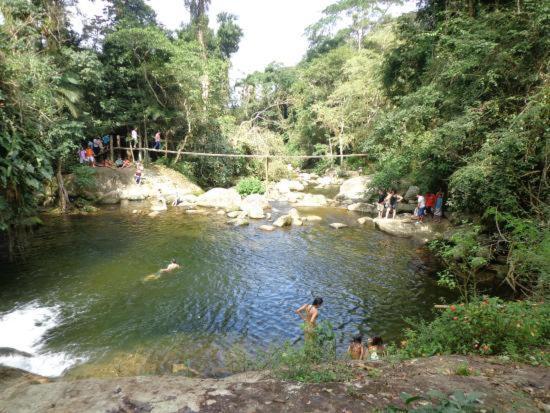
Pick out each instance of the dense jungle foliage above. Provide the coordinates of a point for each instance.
(452, 97)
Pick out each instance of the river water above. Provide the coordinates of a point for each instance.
(80, 305)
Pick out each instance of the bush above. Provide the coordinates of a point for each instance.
(250, 185)
(84, 177)
(519, 330)
(314, 362)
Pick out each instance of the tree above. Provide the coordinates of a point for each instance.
(199, 20)
(229, 34)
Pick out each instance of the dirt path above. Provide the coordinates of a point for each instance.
(505, 387)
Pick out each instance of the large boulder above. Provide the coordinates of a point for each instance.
(220, 198)
(405, 228)
(254, 206)
(411, 193)
(286, 185)
(405, 207)
(362, 207)
(114, 185)
(296, 219)
(326, 181)
(364, 220)
(312, 200)
(356, 189)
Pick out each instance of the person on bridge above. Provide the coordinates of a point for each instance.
(156, 146)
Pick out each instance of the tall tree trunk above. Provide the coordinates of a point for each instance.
(341, 144)
(472, 8)
(205, 81)
(64, 201)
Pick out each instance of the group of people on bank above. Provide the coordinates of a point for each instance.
(93, 153)
(428, 204)
(356, 349)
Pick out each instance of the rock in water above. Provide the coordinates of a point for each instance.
(313, 218)
(220, 198)
(283, 221)
(338, 225)
(364, 220)
(255, 212)
(153, 214)
(267, 227)
(312, 200)
(239, 222)
(405, 228)
(285, 186)
(294, 214)
(236, 214)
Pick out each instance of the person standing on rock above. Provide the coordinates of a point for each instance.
(392, 200)
(430, 204)
(139, 172)
(309, 313)
(381, 202)
(438, 210)
(421, 208)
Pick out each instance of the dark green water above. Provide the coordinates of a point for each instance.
(237, 287)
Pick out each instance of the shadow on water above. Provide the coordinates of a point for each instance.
(237, 287)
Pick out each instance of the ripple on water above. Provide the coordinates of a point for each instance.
(237, 287)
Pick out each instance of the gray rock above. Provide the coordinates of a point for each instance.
(267, 228)
(286, 186)
(362, 207)
(364, 220)
(238, 222)
(283, 221)
(405, 228)
(338, 225)
(312, 218)
(355, 188)
(411, 193)
(220, 198)
(312, 200)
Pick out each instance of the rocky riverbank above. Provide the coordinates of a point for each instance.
(285, 203)
(376, 386)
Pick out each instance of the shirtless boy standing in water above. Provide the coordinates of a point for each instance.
(309, 313)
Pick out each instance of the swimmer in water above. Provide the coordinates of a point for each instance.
(309, 313)
(171, 267)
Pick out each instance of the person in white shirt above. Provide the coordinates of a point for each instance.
(421, 208)
(134, 136)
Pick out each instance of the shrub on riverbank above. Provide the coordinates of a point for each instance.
(517, 330)
(250, 185)
(315, 361)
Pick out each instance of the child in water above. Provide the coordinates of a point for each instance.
(356, 349)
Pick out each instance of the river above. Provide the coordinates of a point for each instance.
(80, 305)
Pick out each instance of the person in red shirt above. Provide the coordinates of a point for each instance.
(430, 204)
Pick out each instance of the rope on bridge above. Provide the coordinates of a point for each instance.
(236, 155)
